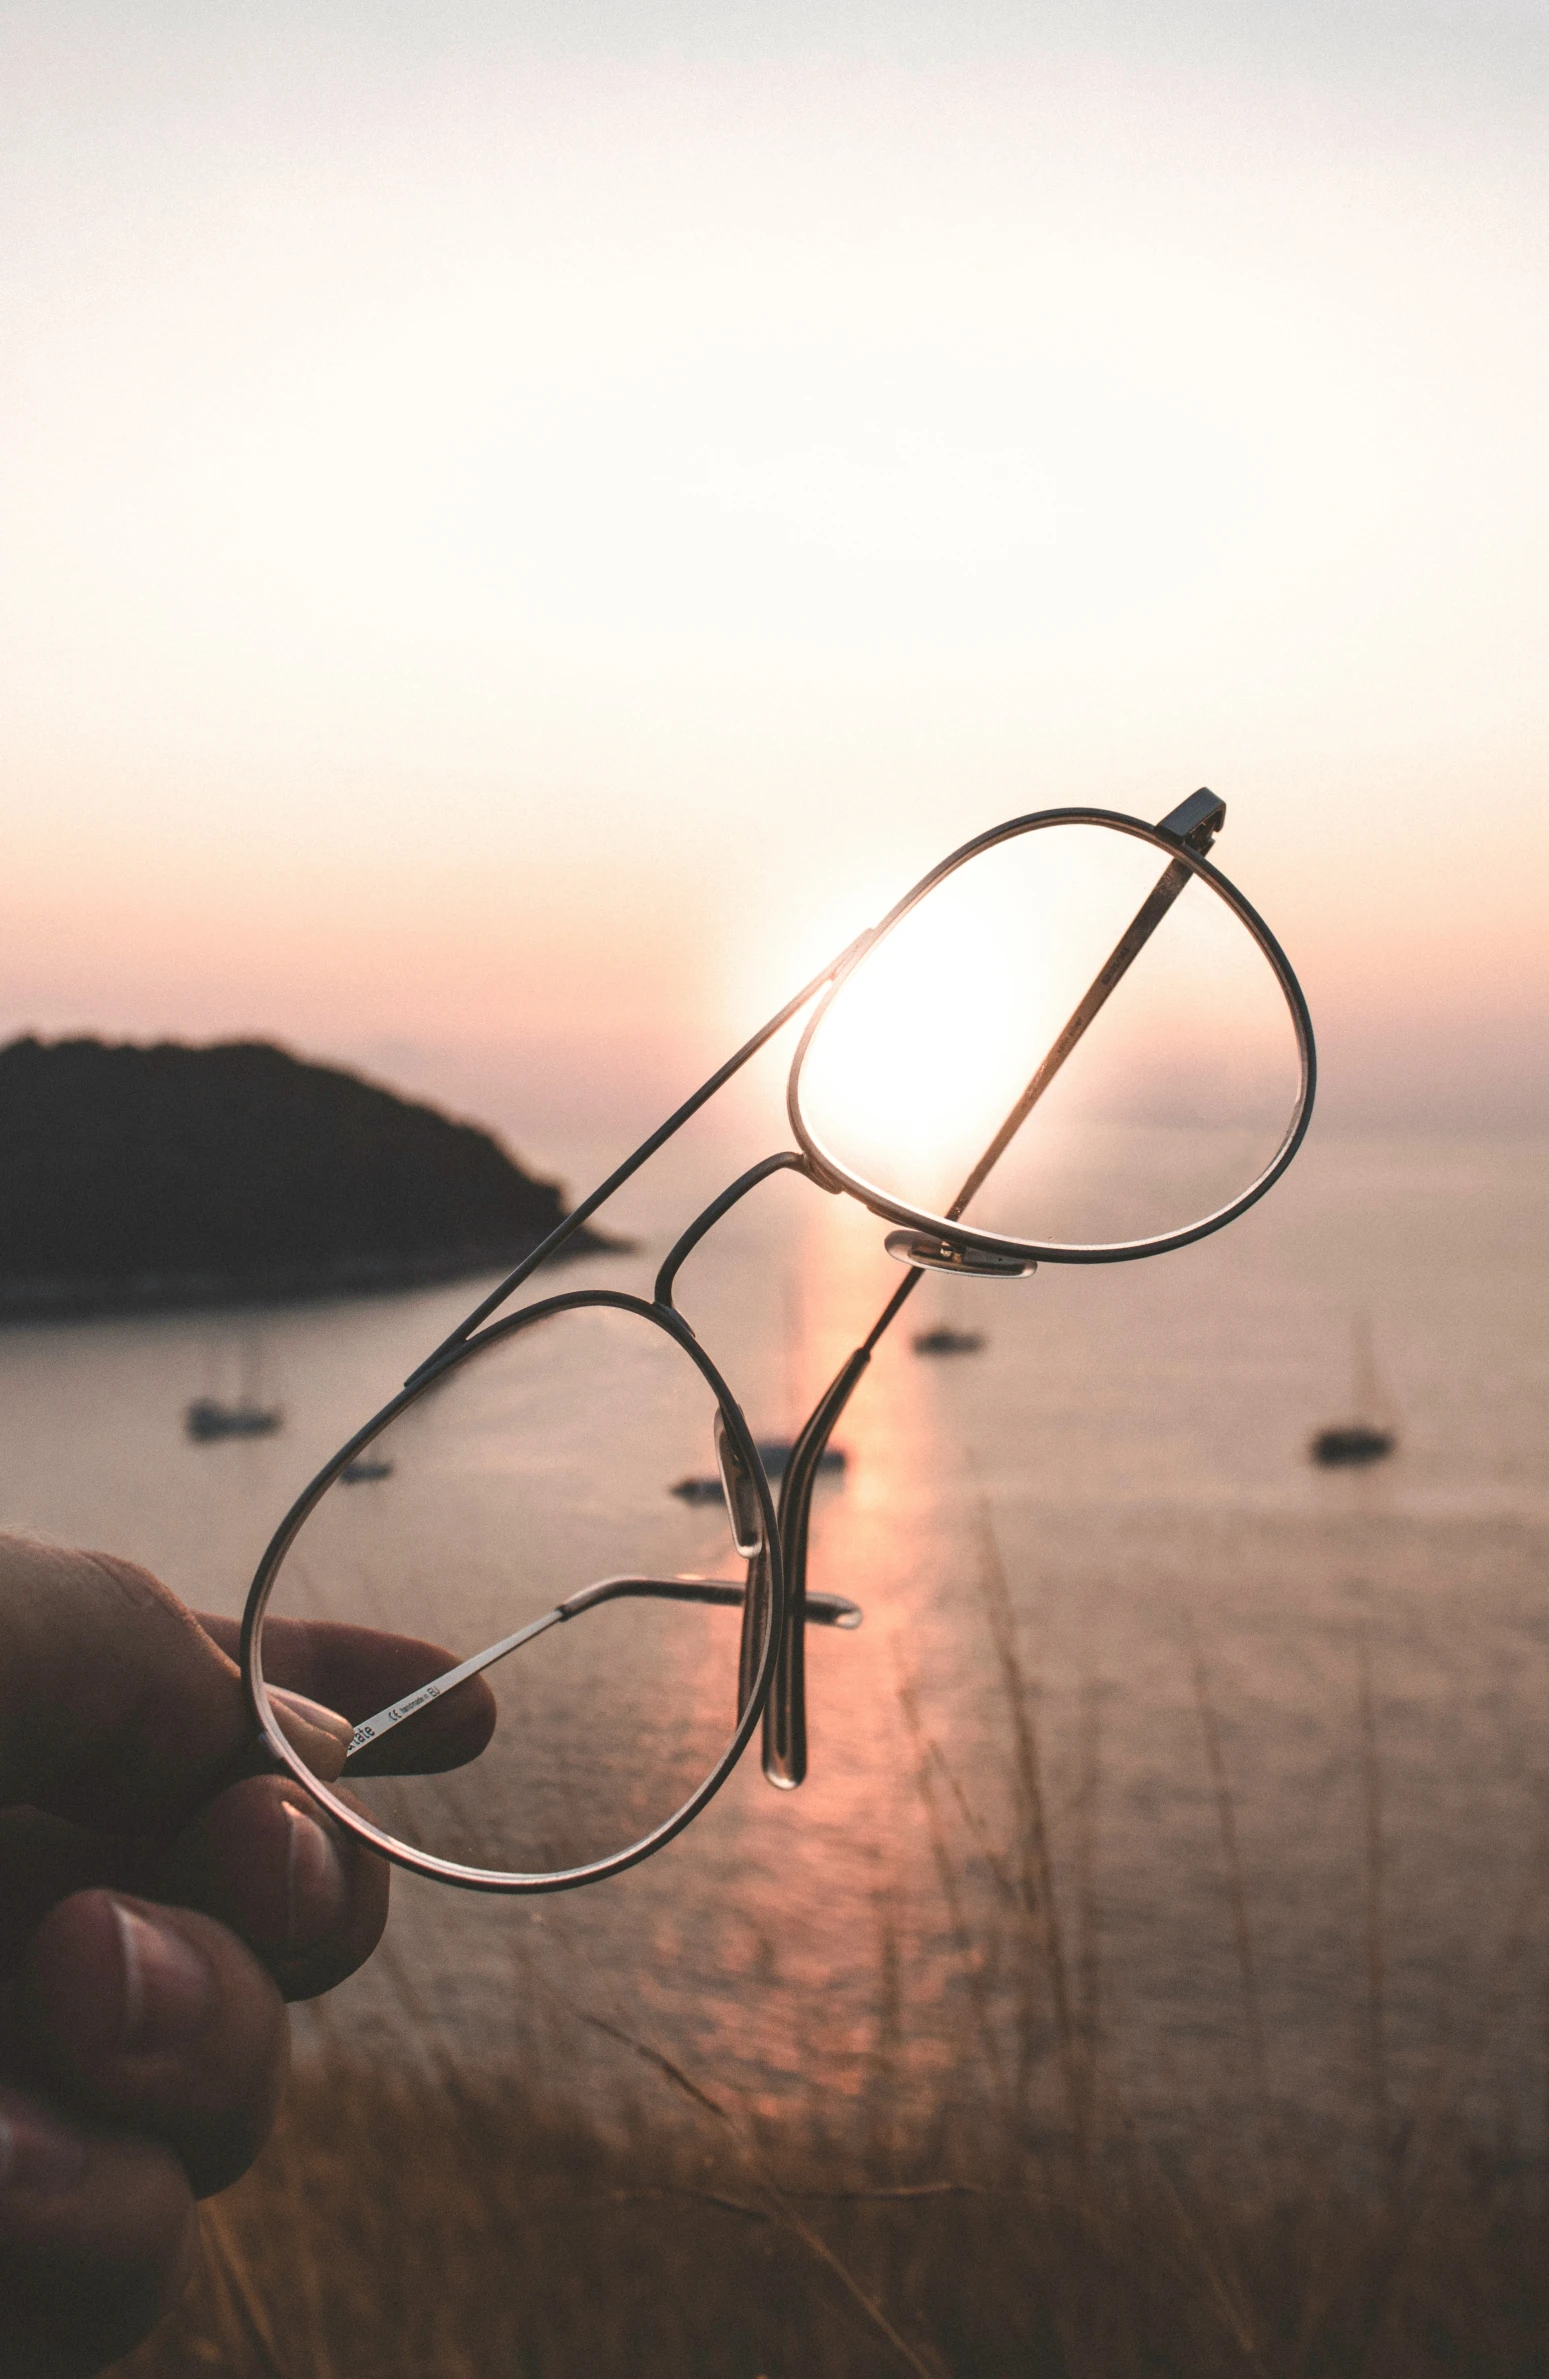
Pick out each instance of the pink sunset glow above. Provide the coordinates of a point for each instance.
(529, 547)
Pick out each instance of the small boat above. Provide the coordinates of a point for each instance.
(698, 1490)
(774, 1453)
(944, 1341)
(248, 1413)
(1371, 1437)
(1351, 1444)
(363, 1469)
(207, 1419)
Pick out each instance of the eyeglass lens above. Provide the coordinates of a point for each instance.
(929, 1078)
(556, 1448)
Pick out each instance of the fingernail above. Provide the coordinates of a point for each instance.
(168, 1988)
(315, 1889)
(36, 2152)
(314, 1714)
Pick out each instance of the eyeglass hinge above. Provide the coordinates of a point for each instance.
(1197, 821)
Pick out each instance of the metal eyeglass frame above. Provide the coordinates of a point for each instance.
(772, 1537)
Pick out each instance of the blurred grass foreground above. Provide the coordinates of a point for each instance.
(395, 2228)
(449, 2222)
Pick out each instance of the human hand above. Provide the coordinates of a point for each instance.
(159, 1900)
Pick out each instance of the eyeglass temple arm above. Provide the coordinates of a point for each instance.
(1195, 823)
(785, 1712)
(755, 1604)
(824, 1610)
(647, 1148)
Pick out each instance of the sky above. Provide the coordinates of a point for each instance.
(522, 529)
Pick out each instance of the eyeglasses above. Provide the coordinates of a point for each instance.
(1054, 1049)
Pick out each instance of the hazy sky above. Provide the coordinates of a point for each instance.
(533, 523)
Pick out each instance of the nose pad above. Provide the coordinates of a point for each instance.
(940, 1255)
(742, 1504)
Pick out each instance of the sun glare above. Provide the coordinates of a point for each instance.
(927, 1050)
(895, 1057)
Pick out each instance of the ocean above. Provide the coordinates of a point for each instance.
(1282, 1728)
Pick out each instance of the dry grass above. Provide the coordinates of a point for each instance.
(393, 2232)
(412, 2228)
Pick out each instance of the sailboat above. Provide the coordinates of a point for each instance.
(210, 1418)
(1350, 1445)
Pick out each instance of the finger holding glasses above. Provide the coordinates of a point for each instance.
(162, 1894)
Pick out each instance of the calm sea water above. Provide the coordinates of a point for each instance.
(1339, 1680)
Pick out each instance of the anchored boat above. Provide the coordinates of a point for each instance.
(1351, 1445)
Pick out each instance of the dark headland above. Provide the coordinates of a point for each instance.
(138, 1178)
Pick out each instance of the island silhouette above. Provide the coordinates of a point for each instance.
(138, 1177)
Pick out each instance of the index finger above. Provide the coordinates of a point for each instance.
(356, 1670)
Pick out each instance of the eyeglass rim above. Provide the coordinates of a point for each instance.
(964, 1237)
(391, 1846)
